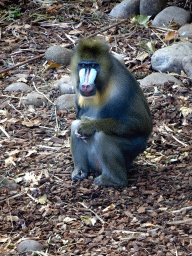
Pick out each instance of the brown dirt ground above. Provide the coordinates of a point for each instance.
(153, 214)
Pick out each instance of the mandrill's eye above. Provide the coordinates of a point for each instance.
(93, 65)
(83, 65)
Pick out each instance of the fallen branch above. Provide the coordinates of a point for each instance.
(178, 222)
(188, 208)
(67, 46)
(22, 63)
(12, 197)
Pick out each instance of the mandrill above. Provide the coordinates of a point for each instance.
(113, 118)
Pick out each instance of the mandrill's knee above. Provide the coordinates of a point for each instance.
(74, 126)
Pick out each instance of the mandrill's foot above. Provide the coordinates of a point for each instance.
(79, 174)
(104, 181)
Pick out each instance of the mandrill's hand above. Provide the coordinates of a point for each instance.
(86, 128)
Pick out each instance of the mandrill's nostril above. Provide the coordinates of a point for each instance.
(85, 86)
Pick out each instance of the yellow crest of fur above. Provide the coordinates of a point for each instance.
(96, 101)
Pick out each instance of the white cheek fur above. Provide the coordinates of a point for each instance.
(87, 77)
(82, 75)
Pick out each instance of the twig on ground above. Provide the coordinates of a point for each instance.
(178, 222)
(13, 97)
(19, 112)
(183, 209)
(67, 46)
(12, 197)
(36, 201)
(182, 143)
(171, 131)
(105, 29)
(102, 221)
(159, 38)
(57, 128)
(43, 94)
(22, 63)
(3, 130)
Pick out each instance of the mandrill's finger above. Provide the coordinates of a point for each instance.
(79, 136)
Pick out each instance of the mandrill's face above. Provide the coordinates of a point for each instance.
(88, 72)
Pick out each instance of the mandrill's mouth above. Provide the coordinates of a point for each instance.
(87, 93)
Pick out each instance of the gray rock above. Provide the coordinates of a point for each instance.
(187, 65)
(19, 86)
(66, 101)
(65, 86)
(22, 76)
(174, 13)
(185, 31)
(158, 79)
(35, 99)
(59, 55)
(7, 183)
(29, 246)
(125, 9)
(151, 7)
(170, 58)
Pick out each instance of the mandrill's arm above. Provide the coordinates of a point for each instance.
(132, 127)
(88, 127)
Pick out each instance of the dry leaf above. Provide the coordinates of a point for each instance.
(68, 219)
(141, 209)
(12, 218)
(33, 123)
(13, 120)
(10, 160)
(147, 225)
(52, 65)
(42, 199)
(22, 79)
(186, 111)
(143, 56)
(31, 108)
(160, 199)
(86, 220)
(31, 152)
(45, 210)
(3, 120)
(14, 152)
(170, 35)
(109, 208)
(32, 178)
(157, 159)
(3, 239)
(89, 221)
(4, 112)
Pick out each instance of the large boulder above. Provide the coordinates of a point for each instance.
(59, 55)
(125, 9)
(171, 13)
(170, 58)
(186, 31)
(157, 79)
(152, 7)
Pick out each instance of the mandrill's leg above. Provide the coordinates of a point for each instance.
(83, 153)
(116, 155)
(109, 151)
(79, 149)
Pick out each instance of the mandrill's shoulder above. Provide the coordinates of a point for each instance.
(121, 77)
